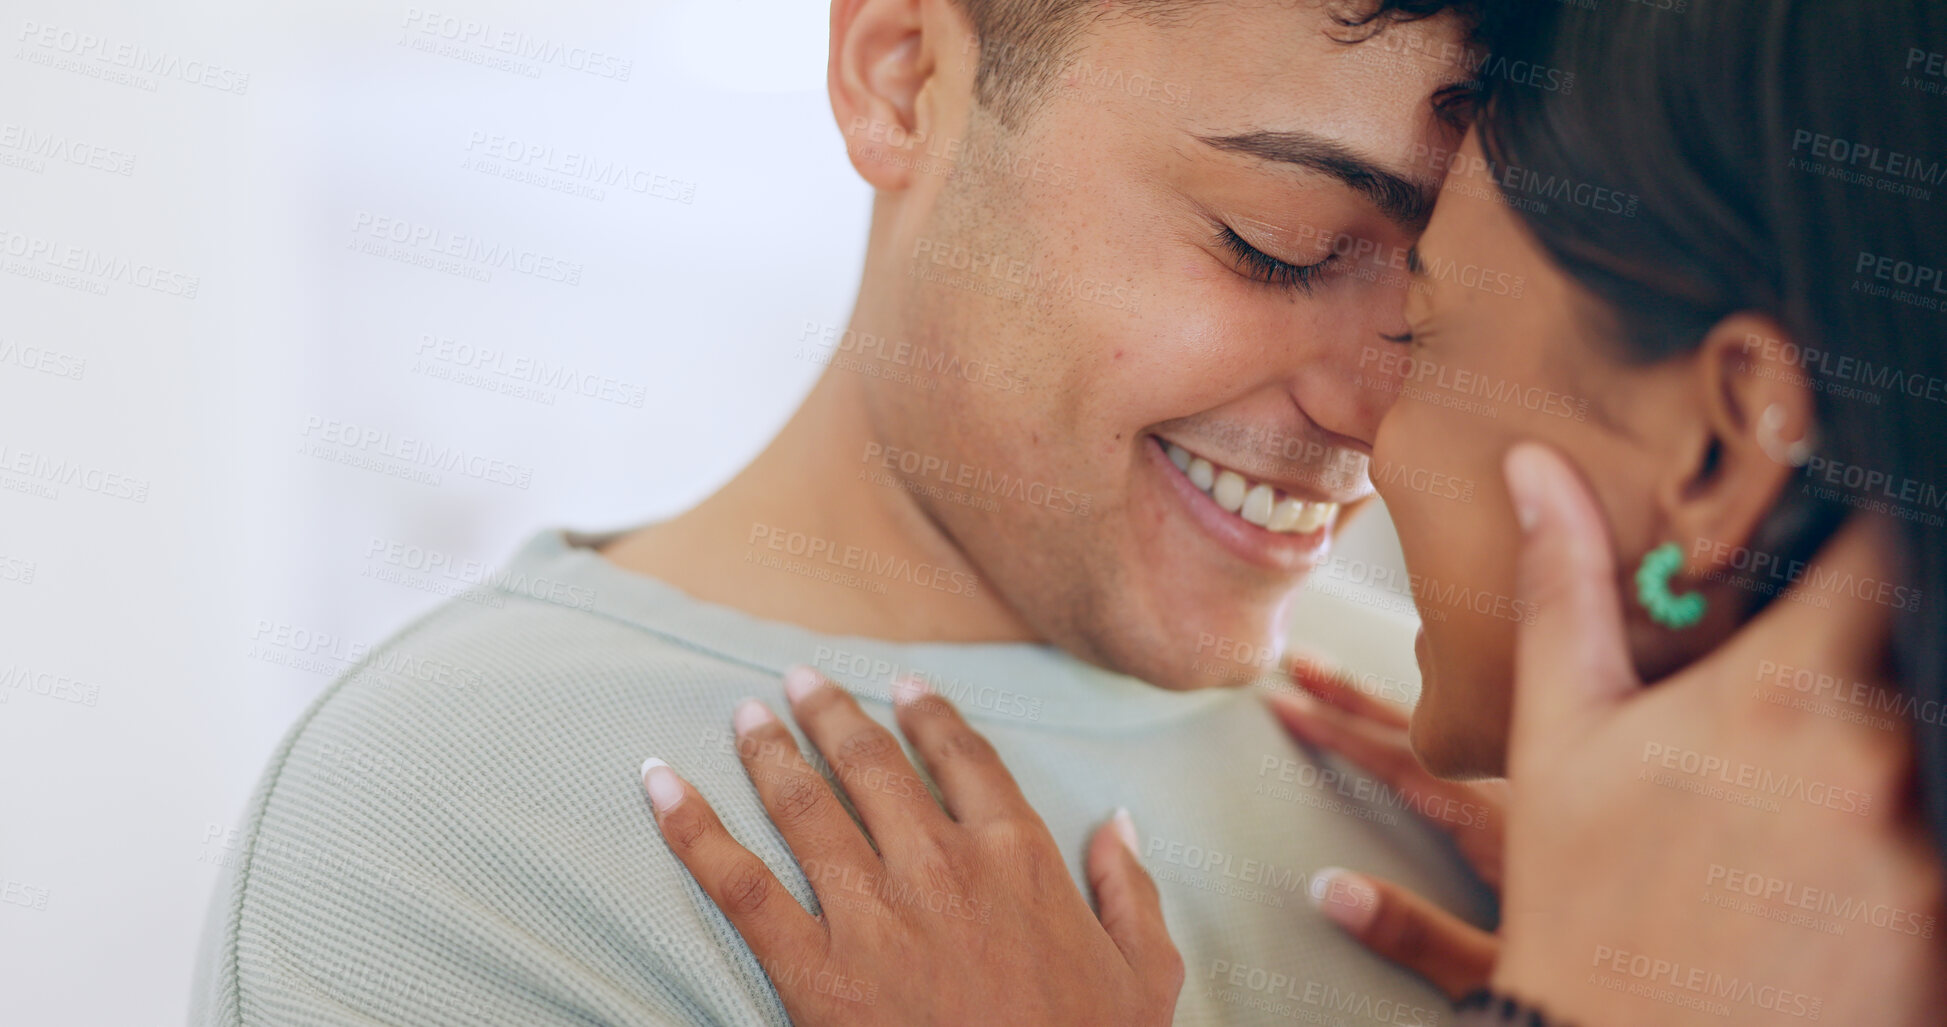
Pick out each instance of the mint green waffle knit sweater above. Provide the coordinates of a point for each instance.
(454, 833)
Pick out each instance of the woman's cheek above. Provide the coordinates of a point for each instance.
(1438, 470)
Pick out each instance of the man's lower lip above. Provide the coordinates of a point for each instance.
(1272, 550)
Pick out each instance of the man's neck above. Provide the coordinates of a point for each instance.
(807, 536)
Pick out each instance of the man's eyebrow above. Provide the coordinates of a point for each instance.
(1402, 200)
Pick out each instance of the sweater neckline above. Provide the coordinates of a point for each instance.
(1022, 684)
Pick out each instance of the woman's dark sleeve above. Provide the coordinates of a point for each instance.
(1487, 1009)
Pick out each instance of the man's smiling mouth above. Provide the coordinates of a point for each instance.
(1256, 503)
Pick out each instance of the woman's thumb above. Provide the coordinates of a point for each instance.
(1571, 658)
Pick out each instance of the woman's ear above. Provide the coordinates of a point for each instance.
(1758, 427)
(886, 56)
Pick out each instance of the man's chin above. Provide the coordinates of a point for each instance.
(1220, 660)
(1205, 659)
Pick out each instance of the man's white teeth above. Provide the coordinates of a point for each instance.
(1229, 492)
(1286, 515)
(1257, 506)
(1202, 475)
(1256, 503)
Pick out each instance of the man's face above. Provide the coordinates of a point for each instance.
(1190, 244)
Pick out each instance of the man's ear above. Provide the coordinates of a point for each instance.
(1758, 424)
(886, 56)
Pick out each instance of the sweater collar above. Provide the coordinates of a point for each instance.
(1022, 684)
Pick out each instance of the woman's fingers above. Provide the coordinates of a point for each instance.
(867, 761)
(1130, 908)
(775, 927)
(1469, 812)
(931, 897)
(974, 782)
(1384, 751)
(1318, 676)
(1402, 927)
(820, 833)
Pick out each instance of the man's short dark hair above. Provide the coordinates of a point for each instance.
(1025, 44)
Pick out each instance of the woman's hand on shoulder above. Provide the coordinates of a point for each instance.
(962, 914)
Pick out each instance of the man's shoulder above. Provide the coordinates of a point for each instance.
(517, 715)
(467, 797)
(528, 669)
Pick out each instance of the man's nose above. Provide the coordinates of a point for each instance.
(1350, 377)
(1376, 383)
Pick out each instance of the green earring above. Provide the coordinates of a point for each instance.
(1653, 589)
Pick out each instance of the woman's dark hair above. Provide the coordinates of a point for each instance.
(1685, 160)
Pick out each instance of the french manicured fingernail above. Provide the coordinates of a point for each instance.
(1301, 715)
(1526, 480)
(1345, 897)
(750, 716)
(799, 682)
(909, 690)
(1125, 829)
(665, 788)
(1296, 700)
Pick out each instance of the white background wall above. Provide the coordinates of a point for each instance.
(185, 559)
